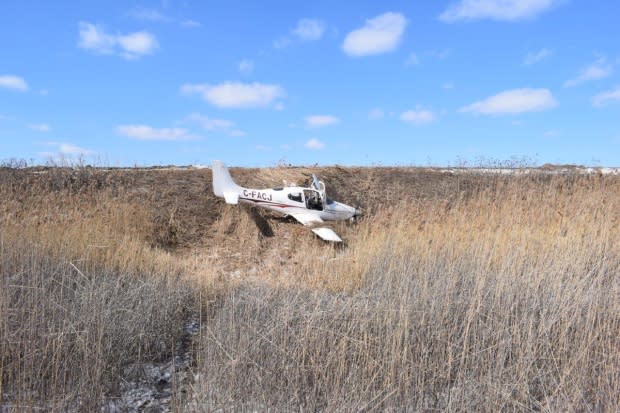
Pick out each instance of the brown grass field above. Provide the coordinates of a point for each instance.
(455, 292)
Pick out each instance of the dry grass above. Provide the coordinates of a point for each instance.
(455, 293)
(506, 300)
(82, 295)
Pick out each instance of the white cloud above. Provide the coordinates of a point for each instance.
(235, 94)
(376, 113)
(130, 46)
(13, 83)
(509, 10)
(190, 23)
(210, 124)
(314, 143)
(281, 42)
(447, 86)
(380, 34)
(309, 29)
(606, 97)
(237, 133)
(70, 149)
(552, 133)
(535, 57)
(319, 121)
(215, 125)
(142, 13)
(306, 30)
(246, 66)
(137, 44)
(64, 149)
(148, 133)
(418, 117)
(92, 37)
(40, 127)
(412, 60)
(194, 88)
(441, 54)
(599, 69)
(513, 101)
(154, 15)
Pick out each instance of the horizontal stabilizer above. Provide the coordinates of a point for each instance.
(231, 198)
(327, 234)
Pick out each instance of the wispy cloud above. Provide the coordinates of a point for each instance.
(314, 143)
(130, 46)
(508, 10)
(143, 13)
(148, 133)
(309, 29)
(40, 127)
(236, 95)
(190, 23)
(214, 124)
(604, 98)
(155, 15)
(62, 149)
(535, 57)
(513, 102)
(412, 60)
(376, 113)
(306, 30)
(13, 82)
(380, 34)
(599, 69)
(418, 116)
(440, 54)
(70, 149)
(246, 66)
(281, 42)
(319, 121)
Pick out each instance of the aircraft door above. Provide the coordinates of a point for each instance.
(313, 199)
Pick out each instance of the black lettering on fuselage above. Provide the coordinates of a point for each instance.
(257, 195)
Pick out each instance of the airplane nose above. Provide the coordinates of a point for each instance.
(357, 213)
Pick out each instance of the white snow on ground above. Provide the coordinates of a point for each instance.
(525, 171)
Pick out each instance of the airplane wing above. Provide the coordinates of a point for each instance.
(306, 218)
(326, 234)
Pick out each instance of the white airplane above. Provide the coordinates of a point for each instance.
(310, 206)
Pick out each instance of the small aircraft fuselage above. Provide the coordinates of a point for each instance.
(310, 205)
(295, 199)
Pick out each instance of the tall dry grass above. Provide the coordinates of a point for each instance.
(470, 294)
(83, 296)
(507, 299)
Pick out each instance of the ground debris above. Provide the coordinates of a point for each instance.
(155, 383)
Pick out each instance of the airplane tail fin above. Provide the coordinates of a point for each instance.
(223, 184)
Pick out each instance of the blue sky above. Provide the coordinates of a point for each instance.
(363, 83)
